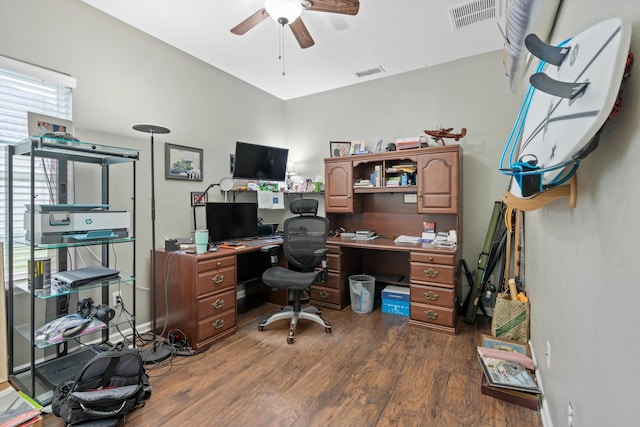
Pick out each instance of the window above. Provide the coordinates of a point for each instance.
(24, 88)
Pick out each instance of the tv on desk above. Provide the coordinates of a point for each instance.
(263, 162)
(231, 221)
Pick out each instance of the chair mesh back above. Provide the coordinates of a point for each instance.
(302, 236)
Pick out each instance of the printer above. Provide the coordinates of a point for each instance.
(72, 223)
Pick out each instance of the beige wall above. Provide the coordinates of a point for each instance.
(580, 269)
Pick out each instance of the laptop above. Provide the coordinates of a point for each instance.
(83, 276)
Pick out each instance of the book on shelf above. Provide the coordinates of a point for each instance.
(393, 181)
(378, 175)
(508, 374)
(362, 183)
(520, 398)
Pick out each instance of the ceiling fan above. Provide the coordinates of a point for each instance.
(287, 12)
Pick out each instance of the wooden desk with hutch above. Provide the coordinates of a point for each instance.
(197, 293)
(435, 196)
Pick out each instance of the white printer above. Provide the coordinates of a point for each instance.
(68, 223)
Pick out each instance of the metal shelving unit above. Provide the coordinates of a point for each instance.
(31, 379)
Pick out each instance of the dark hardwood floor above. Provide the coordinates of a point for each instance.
(373, 370)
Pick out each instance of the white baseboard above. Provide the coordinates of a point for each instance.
(544, 407)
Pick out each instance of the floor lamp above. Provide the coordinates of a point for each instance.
(157, 352)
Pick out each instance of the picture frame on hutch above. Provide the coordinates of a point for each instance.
(340, 149)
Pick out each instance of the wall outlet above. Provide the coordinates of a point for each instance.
(115, 296)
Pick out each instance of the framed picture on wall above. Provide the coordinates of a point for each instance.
(182, 162)
(340, 149)
(199, 198)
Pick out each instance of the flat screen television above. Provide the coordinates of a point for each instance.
(231, 221)
(253, 161)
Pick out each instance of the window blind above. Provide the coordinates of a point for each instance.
(25, 88)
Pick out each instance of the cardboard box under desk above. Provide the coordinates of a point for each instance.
(395, 300)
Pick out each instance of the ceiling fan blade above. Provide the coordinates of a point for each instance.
(250, 22)
(301, 33)
(345, 7)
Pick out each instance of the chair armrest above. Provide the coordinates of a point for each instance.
(273, 252)
(324, 275)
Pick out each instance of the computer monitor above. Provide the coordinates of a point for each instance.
(253, 161)
(231, 221)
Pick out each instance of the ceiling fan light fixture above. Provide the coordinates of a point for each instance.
(283, 11)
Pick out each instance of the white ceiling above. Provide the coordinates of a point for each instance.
(398, 35)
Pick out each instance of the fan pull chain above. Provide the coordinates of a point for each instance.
(281, 48)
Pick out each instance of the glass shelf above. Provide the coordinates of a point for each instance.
(55, 290)
(65, 149)
(42, 246)
(94, 326)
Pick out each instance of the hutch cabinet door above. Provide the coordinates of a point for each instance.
(339, 187)
(438, 183)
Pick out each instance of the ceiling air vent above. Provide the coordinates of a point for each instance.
(472, 12)
(370, 71)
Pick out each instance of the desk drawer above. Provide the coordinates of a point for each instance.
(324, 294)
(215, 264)
(333, 262)
(431, 295)
(214, 280)
(433, 314)
(433, 273)
(217, 304)
(216, 325)
(432, 258)
(333, 281)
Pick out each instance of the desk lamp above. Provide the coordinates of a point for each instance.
(157, 352)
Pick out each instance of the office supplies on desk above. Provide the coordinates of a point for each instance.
(407, 239)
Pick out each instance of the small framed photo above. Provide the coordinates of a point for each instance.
(490, 341)
(357, 147)
(340, 149)
(199, 198)
(182, 162)
(39, 124)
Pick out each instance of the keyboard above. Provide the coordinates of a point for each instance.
(260, 242)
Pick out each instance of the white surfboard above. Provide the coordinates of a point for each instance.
(556, 129)
(523, 17)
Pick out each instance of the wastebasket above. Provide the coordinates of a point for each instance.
(362, 288)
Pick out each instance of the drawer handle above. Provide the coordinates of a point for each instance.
(218, 264)
(324, 294)
(431, 314)
(430, 259)
(219, 303)
(218, 278)
(218, 323)
(431, 273)
(430, 296)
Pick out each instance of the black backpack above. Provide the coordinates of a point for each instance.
(109, 386)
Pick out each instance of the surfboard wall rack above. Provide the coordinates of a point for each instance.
(569, 190)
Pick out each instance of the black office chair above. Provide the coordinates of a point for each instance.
(304, 244)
